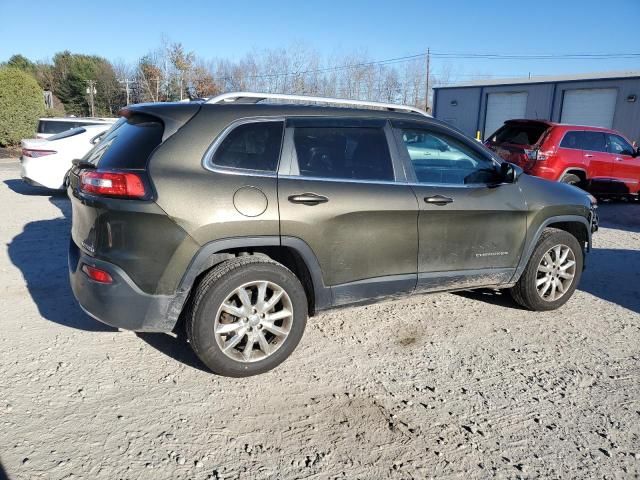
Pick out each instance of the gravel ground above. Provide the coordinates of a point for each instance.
(449, 385)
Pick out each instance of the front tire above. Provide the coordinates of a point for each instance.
(247, 315)
(552, 274)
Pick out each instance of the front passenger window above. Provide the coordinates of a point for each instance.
(443, 160)
(618, 145)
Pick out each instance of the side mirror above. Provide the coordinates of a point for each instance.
(510, 172)
(636, 152)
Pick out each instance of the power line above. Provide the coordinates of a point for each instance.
(449, 55)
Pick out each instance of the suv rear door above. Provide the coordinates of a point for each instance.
(342, 190)
(471, 229)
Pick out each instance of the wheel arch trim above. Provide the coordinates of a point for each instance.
(531, 245)
(210, 255)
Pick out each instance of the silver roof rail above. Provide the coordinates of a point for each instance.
(254, 97)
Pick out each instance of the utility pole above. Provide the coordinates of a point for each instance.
(126, 82)
(91, 90)
(426, 94)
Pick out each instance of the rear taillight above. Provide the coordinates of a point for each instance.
(113, 184)
(32, 153)
(97, 274)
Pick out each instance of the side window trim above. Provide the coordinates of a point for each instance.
(207, 159)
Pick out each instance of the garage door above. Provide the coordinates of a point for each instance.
(501, 107)
(589, 106)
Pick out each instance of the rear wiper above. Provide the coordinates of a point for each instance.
(82, 163)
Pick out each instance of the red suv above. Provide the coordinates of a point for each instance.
(600, 160)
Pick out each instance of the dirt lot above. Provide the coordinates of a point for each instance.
(449, 386)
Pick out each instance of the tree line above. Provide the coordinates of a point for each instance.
(170, 73)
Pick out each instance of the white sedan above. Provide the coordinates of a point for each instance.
(45, 162)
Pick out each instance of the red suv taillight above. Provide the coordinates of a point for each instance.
(29, 152)
(113, 184)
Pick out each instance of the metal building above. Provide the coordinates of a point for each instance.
(600, 99)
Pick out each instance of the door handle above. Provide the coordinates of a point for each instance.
(308, 199)
(438, 200)
(618, 159)
(588, 155)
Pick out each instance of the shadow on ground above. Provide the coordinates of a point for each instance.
(174, 347)
(40, 252)
(3, 474)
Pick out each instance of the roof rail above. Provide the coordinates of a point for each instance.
(254, 97)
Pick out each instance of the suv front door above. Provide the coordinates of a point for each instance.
(342, 190)
(626, 165)
(471, 228)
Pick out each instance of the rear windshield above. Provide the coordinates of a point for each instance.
(66, 134)
(525, 134)
(128, 144)
(58, 126)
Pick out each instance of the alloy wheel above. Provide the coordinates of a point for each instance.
(254, 321)
(556, 272)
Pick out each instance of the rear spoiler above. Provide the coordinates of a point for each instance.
(172, 115)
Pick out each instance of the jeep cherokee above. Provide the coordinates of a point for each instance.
(241, 219)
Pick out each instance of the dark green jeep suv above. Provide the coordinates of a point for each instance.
(241, 218)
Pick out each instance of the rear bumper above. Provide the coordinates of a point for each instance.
(120, 304)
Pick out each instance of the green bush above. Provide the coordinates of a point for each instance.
(21, 104)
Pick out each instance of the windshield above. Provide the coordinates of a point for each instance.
(519, 134)
(66, 134)
(128, 143)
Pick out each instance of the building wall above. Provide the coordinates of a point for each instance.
(465, 107)
(463, 115)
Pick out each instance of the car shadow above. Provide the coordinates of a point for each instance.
(500, 298)
(619, 215)
(3, 473)
(175, 347)
(40, 252)
(612, 275)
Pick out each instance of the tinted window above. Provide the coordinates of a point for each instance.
(53, 126)
(618, 145)
(252, 146)
(593, 141)
(349, 152)
(524, 134)
(67, 133)
(441, 159)
(128, 143)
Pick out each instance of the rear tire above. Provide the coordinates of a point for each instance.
(571, 179)
(231, 324)
(544, 284)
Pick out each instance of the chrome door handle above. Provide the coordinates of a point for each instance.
(618, 159)
(308, 199)
(438, 200)
(588, 155)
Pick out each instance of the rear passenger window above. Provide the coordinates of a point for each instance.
(251, 146)
(346, 152)
(582, 140)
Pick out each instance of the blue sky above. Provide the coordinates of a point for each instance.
(125, 30)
